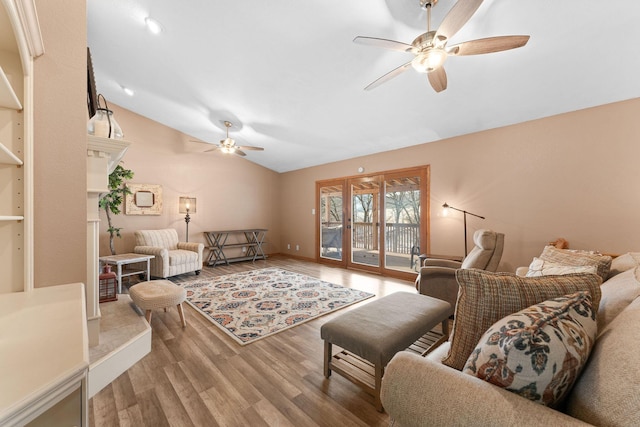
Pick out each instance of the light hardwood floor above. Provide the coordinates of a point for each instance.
(198, 376)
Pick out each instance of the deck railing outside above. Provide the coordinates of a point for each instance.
(399, 238)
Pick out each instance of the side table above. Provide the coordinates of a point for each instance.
(125, 259)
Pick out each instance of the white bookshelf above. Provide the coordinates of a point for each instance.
(7, 157)
(8, 98)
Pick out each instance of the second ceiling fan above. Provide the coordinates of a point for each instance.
(228, 145)
(430, 49)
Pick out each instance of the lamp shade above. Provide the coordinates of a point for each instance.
(187, 205)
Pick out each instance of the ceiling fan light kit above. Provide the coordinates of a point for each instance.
(430, 49)
(228, 145)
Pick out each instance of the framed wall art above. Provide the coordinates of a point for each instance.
(145, 199)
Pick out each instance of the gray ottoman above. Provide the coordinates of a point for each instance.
(378, 330)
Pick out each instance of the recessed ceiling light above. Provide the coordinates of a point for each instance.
(128, 91)
(152, 25)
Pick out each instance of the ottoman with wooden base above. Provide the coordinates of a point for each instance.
(378, 330)
(155, 294)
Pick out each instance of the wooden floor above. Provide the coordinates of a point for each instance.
(198, 376)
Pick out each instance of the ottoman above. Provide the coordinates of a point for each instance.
(378, 330)
(154, 294)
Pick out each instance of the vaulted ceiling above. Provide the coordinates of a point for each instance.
(289, 77)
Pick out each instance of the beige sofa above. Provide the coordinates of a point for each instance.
(422, 391)
(171, 256)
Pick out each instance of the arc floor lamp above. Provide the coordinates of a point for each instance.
(465, 213)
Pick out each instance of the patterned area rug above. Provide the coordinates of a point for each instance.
(255, 304)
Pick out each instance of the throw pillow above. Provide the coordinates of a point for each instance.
(538, 352)
(578, 258)
(623, 263)
(485, 297)
(540, 267)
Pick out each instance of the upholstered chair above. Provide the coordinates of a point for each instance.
(437, 277)
(171, 257)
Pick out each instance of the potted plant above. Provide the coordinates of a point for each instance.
(112, 200)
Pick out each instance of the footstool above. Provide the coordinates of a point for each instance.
(154, 294)
(378, 330)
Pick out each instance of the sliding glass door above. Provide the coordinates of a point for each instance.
(375, 222)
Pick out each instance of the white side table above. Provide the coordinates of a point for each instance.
(125, 259)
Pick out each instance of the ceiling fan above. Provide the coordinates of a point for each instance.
(430, 49)
(228, 145)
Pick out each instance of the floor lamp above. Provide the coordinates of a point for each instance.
(187, 205)
(447, 207)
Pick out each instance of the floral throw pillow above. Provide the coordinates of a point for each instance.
(538, 352)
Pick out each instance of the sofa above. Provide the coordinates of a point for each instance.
(171, 256)
(423, 391)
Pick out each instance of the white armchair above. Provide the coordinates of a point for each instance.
(171, 257)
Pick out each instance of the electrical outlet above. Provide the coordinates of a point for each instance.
(244, 249)
(288, 245)
(297, 247)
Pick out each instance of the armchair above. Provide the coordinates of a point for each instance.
(437, 277)
(171, 257)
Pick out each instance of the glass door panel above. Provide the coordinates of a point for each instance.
(402, 222)
(331, 221)
(364, 220)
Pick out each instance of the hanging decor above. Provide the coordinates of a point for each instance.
(103, 124)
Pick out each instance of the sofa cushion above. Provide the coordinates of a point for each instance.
(578, 258)
(540, 267)
(623, 263)
(606, 393)
(538, 352)
(617, 293)
(486, 297)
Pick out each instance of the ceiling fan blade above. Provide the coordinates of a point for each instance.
(391, 74)
(438, 79)
(239, 152)
(459, 14)
(488, 45)
(250, 147)
(210, 150)
(383, 43)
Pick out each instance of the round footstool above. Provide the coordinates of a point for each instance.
(155, 294)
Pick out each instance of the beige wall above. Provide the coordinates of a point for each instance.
(231, 192)
(60, 145)
(574, 176)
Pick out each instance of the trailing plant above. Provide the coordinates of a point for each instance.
(112, 200)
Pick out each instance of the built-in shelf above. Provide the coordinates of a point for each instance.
(7, 157)
(8, 98)
(11, 218)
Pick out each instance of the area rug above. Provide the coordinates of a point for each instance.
(256, 304)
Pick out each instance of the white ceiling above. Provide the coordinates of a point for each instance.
(288, 74)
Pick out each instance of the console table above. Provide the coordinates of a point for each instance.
(249, 241)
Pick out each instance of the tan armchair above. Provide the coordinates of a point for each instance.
(171, 257)
(437, 277)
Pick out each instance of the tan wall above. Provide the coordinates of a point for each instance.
(574, 175)
(231, 192)
(60, 145)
